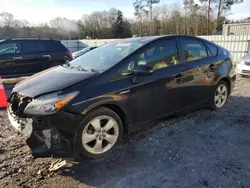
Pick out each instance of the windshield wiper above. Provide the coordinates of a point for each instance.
(81, 68)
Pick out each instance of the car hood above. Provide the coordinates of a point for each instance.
(246, 57)
(54, 79)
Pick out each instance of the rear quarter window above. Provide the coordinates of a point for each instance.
(54, 46)
(213, 50)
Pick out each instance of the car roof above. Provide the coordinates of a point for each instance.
(140, 39)
(148, 39)
(29, 38)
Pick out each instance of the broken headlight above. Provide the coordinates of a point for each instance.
(49, 104)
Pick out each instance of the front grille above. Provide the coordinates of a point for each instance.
(246, 71)
(17, 103)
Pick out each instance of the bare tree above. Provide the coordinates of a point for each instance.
(208, 4)
(222, 7)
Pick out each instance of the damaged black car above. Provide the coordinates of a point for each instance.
(91, 102)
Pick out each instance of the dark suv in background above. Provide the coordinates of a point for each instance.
(26, 56)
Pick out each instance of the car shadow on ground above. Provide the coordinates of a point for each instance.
(201, 149)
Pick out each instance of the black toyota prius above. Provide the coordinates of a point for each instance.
(91, 102)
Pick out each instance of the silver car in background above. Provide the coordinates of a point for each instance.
(243, 67)
(83, 51)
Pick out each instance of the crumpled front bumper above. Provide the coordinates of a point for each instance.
(42, 142)
(22, 125)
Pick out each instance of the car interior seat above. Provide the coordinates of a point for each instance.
(188, 56)
(168, 60)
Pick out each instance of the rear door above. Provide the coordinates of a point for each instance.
(56, 53)
(195, 76)
(9, 55)
(31, 57)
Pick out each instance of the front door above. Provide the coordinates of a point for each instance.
(9, 50)
(155, 95)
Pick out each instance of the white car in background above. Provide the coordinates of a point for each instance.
(243, 67)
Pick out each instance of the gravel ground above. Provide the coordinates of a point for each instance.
(200, 149)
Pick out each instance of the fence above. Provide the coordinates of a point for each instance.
(238, 45)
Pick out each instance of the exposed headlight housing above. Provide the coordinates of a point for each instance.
(49, 104)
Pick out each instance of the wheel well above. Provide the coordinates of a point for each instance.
(119, 112)
(225, 79)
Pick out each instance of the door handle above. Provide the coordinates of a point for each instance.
(178, 78)
(17, 57)
(48, 56)
(211, 67)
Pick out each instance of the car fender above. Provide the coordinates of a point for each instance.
(111, 100)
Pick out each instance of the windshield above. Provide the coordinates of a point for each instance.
(106, 56)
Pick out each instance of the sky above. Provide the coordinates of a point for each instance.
(36, 11)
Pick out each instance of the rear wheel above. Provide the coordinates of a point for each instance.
(100, 131)
(220, 95)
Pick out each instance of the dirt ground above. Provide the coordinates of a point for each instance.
(201, 149)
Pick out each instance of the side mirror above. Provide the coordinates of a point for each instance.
(142, 70)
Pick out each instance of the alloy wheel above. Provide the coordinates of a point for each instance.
(220, 96)
(100, 135)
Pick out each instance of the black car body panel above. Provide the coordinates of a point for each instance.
(54, 79)
(187, 83)
(21, 57)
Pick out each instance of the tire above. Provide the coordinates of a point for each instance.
(93, 140)
(220, 95)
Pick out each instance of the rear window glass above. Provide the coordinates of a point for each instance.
(51, 45)
(193, 49)
(212, 49)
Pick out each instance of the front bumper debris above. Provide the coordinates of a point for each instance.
(42, 138)
(41, 142)
(47, 142)
(23, 125)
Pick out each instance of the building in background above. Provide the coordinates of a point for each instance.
(236, 29)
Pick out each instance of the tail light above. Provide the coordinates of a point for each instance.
(69, 54)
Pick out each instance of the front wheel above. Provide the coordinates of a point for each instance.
(100, 131)
(220, 95)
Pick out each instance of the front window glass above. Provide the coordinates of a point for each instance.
(106, 56)
(162, 54)
(159, 55)
(10, 47)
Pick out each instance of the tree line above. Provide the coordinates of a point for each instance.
(191, 18)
